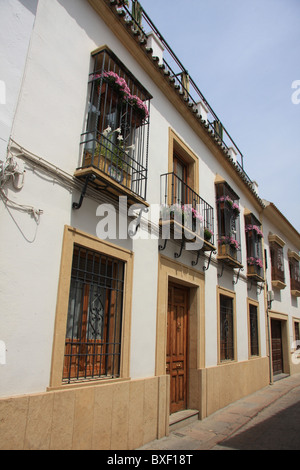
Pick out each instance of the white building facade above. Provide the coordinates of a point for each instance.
(119, 308)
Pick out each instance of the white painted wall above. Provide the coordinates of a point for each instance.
(16, 23)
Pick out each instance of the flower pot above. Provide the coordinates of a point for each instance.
(253, 269)
(98, 161)
(227, 250)
(121, 176)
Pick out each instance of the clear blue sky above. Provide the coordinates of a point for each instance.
(244, 57)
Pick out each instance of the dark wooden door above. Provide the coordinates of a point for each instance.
(177, 341)
(277, 360)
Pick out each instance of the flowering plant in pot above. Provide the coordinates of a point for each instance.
(254, 265)
(229, 241)
(251, 261)
(254, 228)
(139, 106)
(116, 82)
(231, 204)
(208, 234)
(228, 246)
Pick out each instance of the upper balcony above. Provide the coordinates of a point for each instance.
(229, 238)
(115, 143)
(277, 261)
(189, 216)
(254, 236)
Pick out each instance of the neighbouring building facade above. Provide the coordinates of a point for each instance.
(141, 272)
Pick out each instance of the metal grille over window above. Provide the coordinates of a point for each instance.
(254, 347)
(294, 274)
(226, 328)
(116, 137)
(229, 238)
(277, 262)
(254, 237)
(93, 336)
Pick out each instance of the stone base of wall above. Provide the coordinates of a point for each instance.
(122, 415)
(229, 382)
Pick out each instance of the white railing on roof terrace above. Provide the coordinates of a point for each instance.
(143, 27)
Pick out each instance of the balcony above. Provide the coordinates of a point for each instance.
(277, 261)
(189, 217)
(254, 236)
(115, 143)
(228, 211)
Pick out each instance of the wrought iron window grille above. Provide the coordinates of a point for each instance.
(116, 140)
(228, 212)
(94, 323)
(254, 235)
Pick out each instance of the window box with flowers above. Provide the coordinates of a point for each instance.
(228, 250)
(255, 268)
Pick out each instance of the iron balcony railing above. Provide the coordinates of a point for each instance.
(254, 238)
(117, 131)
(178, 74)
(178, 197)
(228, 213)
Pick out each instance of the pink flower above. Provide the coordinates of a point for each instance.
(249, 228)
(255, 261)
(136, 101)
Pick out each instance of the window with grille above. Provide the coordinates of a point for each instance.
(253, 323)
(228, 212)
(116, 138)
(297, 333)
(294, 274)
(277, 262)
(254, 237)
(226, 328)
(94, 323)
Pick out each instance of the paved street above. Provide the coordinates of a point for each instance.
(266, 420)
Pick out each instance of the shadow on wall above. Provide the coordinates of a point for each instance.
(31, 5)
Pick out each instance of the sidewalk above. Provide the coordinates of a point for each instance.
(213, 430)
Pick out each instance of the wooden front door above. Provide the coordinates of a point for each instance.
(177, 346)
(277, 360)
